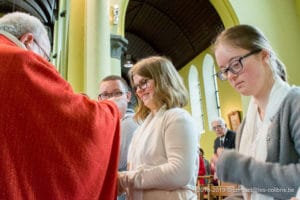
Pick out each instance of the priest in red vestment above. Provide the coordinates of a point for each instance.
(55, 144)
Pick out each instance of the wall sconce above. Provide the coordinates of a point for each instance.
(115, 11)
(128, 62)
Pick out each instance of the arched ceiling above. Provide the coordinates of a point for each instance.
(45, 10)
(178, 29)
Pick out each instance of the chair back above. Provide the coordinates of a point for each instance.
(223, 190)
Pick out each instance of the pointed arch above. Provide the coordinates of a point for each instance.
(196, 98)
(211, 89)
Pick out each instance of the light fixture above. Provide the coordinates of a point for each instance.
(115, 10)
(128, 62)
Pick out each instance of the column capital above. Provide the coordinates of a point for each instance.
(118, 45)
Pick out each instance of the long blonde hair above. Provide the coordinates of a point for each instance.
(169, 89)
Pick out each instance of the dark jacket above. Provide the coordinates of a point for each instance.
(229, 141)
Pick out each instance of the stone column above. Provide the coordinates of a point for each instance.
(97, 45)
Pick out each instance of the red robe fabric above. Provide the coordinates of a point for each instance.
(55, 144)
(201, 170)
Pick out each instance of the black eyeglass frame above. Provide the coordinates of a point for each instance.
(143, 84)
(222, 74)
(217, 126)
(110, 95)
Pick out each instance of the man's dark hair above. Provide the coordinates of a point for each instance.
(116, 77)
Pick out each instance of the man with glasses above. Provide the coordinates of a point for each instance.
(55, 144)
(115, 88)
(225, 138)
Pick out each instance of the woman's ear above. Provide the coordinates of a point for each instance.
(265, 54)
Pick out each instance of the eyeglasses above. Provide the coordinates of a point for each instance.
(43, 51)
(217, 126)
(235, 67)
(142, 85)
(106, 95)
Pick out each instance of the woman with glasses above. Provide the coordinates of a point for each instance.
(266, 162)
(163, 155)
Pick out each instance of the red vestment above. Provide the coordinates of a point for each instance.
(55, 144)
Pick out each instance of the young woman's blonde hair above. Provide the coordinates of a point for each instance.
(250, 38)
(169, 89)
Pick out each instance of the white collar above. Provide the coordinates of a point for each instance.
(13, 39)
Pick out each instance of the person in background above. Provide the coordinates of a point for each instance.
(206, 165)
(115, 87)
(55, 143)
(225, 137)
(214, 179)
(266, 159)
(202, 170)
(163, 156)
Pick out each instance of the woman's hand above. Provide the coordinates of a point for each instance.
(121, 188)
(220, 151)
(214, 160)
